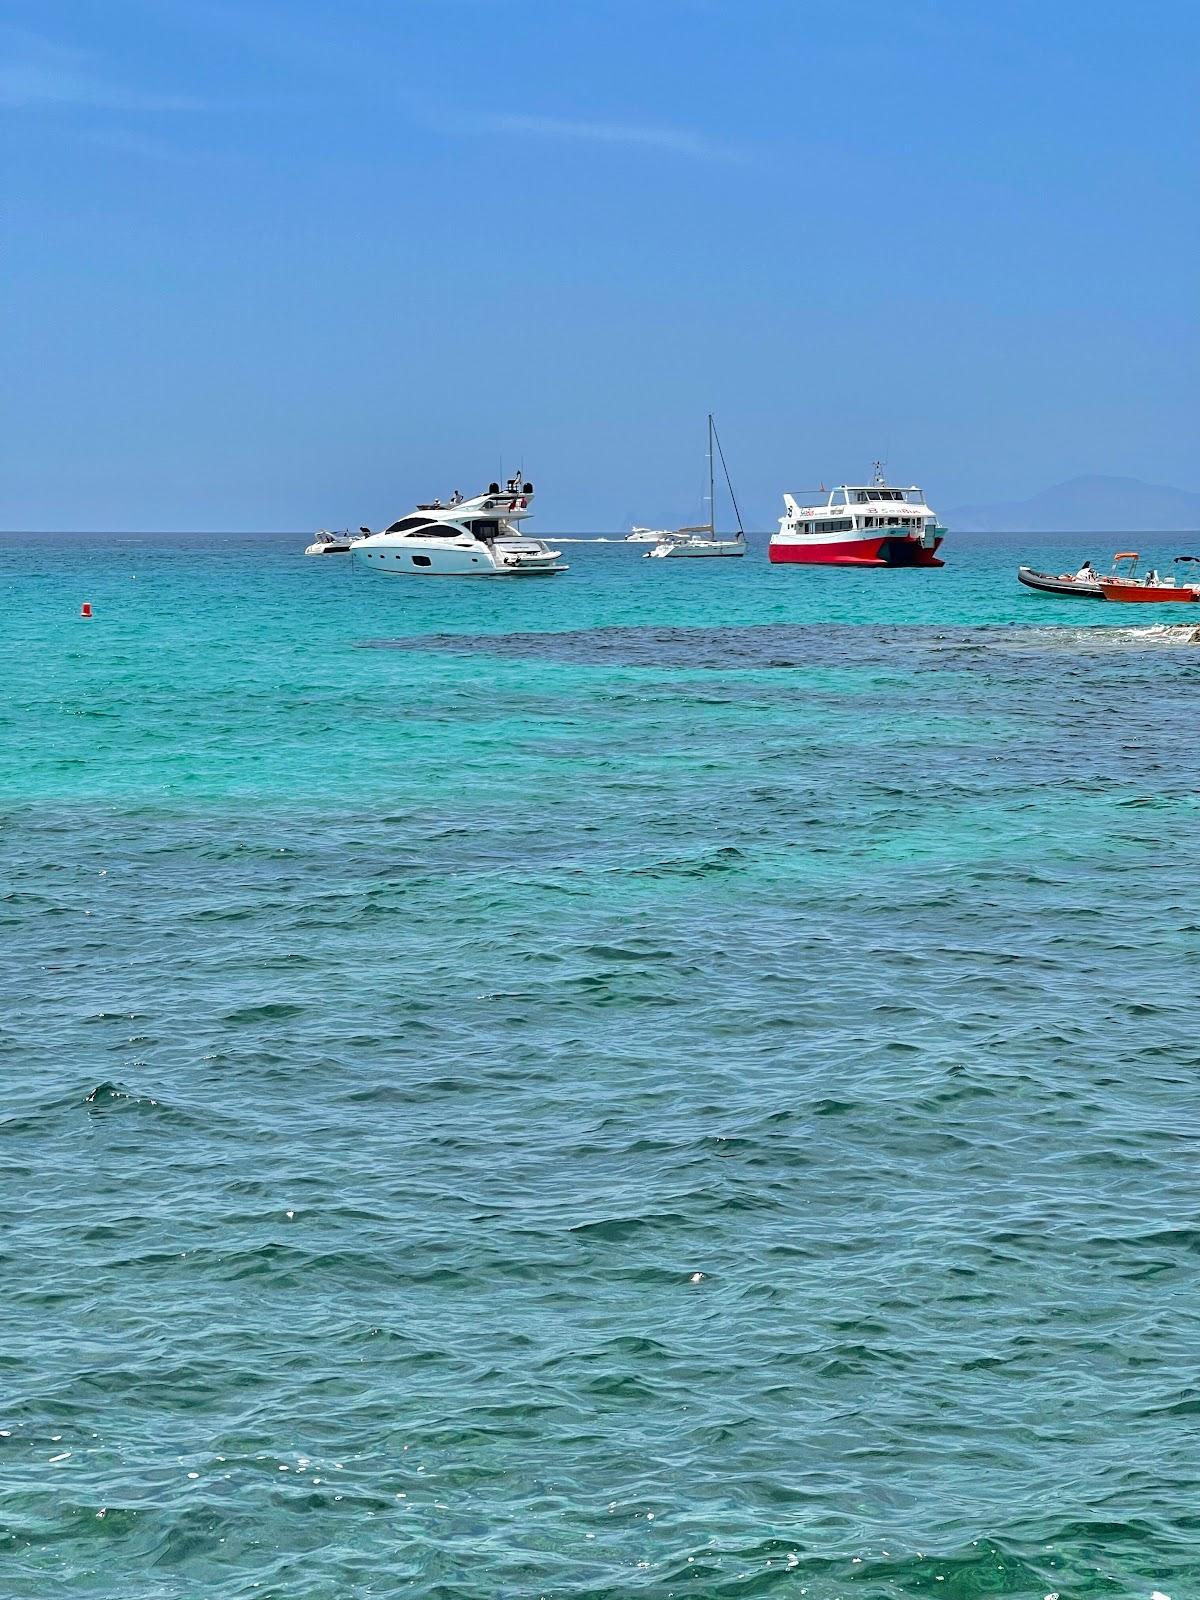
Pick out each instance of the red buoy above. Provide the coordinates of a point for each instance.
(85, 609)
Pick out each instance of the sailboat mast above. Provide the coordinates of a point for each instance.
(712, 504)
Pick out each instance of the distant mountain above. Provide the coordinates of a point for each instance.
(1087, 505)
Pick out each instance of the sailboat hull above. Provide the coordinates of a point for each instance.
(682, 550)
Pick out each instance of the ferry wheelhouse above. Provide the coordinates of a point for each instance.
(860, 525)
(475, 538)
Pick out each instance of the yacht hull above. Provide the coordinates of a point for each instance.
(406, 558)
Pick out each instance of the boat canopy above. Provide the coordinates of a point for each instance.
(1126, 555)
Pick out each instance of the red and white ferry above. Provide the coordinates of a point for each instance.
(871, 525)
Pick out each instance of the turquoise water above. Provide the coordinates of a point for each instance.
(679, 1079)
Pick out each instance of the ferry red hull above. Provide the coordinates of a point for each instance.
(888, 551)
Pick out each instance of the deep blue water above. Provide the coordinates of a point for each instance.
(679, 1079)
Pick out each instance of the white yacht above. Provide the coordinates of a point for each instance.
(331, 544)
(702, 539)
(638, 535)
(475, 538)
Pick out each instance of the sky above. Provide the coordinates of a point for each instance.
(281, 264)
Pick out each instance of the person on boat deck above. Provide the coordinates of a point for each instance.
(1152, 575)
(1086, 573)
(456, 498)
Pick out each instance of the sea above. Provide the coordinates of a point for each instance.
(679, 1079)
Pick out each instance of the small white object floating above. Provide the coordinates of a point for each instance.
(331, 544)
(475, 538)
(703, 539)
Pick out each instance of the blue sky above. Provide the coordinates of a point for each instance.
(282, 263)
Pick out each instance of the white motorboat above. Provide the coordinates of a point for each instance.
(702, 539)
(646, 535)
(331, 544)
(691, 542)
(475, 538)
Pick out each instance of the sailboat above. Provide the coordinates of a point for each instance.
(702, 539)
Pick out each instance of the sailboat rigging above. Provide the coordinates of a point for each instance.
(702, 539)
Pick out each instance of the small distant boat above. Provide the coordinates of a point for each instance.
(1068, 583)
(1150, 589)
(702, 539)
(331, 544)
(646, 535)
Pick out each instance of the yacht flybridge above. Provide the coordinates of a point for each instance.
(475, 538)
(871, 525)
